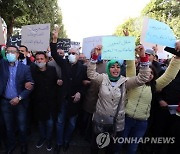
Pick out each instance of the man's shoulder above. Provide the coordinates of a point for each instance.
(23, 66)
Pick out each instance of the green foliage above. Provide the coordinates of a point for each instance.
(166, 11)
(17, 13)
(134, 26)
(163, 10)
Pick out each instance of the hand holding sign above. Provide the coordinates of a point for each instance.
(96, 52)
(126, 33)
(98, 49)
(140, 50)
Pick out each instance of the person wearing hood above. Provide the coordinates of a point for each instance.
(110, 113)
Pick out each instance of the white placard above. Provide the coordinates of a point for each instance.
(89, 43)
(156, 32)
(3, 31)
(36, 37)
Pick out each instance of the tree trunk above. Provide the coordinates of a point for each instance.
(10, 27)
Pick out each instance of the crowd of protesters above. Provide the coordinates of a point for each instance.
(123, 98)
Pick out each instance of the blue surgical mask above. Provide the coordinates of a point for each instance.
(11, 57)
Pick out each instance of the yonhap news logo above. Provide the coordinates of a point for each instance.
(103, 140)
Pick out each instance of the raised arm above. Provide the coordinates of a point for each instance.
(53, 45)
(91, 67)
(169, 74)
(144, 72)
(172, 69)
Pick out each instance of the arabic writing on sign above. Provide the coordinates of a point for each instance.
(118, 48)
(159, 33)
(89, 43)
(34, 42)
(14, 40)
(64, 44)
(36, 37)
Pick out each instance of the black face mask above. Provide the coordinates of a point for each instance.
(21, 56)
(81, 61)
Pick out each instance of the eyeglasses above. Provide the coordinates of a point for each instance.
(71, 53)
(11, 51)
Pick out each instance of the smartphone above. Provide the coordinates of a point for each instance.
(172, 50)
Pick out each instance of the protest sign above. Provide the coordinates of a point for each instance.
(157, 32)
(64, 44)
(119, 48)
(3, 31)
(36, 37)
(14, 40)
(89, 43)
(75, 44)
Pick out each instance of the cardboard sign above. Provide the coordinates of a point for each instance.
(64, 44)
(75, 44)
(157, 32)
(36, 37)
(14, 40)
(3, 31)
(89, 43)
(119, 48)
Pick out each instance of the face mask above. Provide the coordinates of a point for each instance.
(11, 57)
(72, 58)
(49, 54)
(81, 61)
(21, 56)
(40, 65)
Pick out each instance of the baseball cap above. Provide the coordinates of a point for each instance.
(150, 52)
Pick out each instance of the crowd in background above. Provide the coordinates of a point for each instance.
(48, 89)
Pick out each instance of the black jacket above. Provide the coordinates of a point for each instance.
(72, 76)
(171, 93)
(44, 96)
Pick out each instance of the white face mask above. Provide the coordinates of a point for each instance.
(72, 58)
(40, 65)
(49, 54)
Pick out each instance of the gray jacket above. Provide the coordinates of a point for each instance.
(109, 96)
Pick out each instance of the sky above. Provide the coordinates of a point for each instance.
(86, 18)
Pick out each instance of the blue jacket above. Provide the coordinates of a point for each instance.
(23, 75)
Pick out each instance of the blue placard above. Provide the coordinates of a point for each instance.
(160, 33)
(119, 48)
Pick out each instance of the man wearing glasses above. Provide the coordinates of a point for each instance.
(73, 74)
(14, 97)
